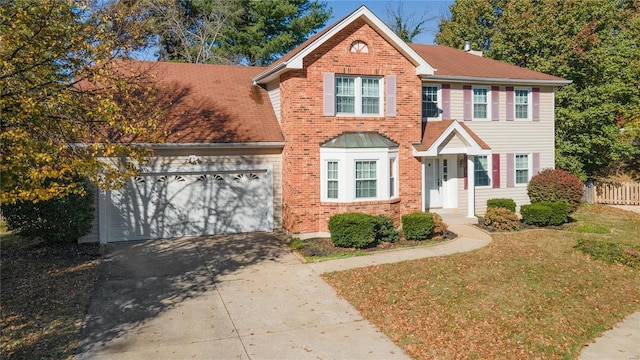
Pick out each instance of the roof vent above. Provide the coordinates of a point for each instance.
(467, 46)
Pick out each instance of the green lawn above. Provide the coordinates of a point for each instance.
(528, 294)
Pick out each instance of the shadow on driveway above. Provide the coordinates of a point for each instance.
(140, 281)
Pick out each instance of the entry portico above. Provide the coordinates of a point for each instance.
(444, 144)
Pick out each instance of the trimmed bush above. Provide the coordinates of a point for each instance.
(417, 226)
(353, 230)
(439, 226)
(56, 220)
(501, 219)
(552, 185)
(502, 203)
(559, 212)
(535, 214)
(384, 230)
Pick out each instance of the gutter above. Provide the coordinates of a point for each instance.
(281, 66)
(502, 81)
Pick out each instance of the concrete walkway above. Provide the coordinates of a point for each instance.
(470, 238)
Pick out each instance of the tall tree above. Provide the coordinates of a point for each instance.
(268, 29)
(233, 31)
(471, 20)
(406, 26)
(64, 99)
(594, 43)
(193, 30)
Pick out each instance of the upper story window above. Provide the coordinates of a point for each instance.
(359, 47)
(481, 103)
(358, 95)
(430, 102)
(522, 101)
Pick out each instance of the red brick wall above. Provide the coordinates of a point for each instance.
(305, 128)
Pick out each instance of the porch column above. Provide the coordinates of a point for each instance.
(471, 187)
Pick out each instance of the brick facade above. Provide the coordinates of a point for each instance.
(305, 128)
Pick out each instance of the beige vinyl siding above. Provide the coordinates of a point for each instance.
(273, 89)
(505, 137)
(176, 158)
(92, 236)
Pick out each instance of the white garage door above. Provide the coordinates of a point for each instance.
(157, 206)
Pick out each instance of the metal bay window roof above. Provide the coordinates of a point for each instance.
(356, 140)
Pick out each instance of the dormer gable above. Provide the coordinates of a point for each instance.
(295, 58)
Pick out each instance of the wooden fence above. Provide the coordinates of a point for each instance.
(614, 194)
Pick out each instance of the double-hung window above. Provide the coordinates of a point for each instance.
(430, 107)
(481, 170)
(366, 179)
(522, 104)
(358, 95)
(522, 168)
(332, 179)
(480, 103)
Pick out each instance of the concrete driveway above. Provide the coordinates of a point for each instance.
(224, 297)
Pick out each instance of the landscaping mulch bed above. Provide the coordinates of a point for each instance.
(46, 290)
(524, 226)
(323, 247)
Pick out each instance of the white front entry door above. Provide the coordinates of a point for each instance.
(440, 182)
(433, 183)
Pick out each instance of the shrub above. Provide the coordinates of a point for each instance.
(502, 203)
(559, 212)
(355, 230)
(610, 253)
(438, 224)
(417, 226)
(536, 214)
(56, 220)
(501, 219)
(552, 185)
(384, 229)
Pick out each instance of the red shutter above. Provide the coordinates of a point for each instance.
(464, 171)
(510, 103)
(535, 161)
(446, 102)
(391, 95)
(466, 93)
(495, 103)
(495, 170)
(511, 170)
(329, 99)
(535, 99)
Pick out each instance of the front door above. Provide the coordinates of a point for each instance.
(433, 184)
(440, 182)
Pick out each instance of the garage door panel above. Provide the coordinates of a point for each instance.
(165, 206)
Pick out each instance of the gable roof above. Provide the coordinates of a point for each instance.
(211, 103)
(457, 65)
(294, 59)
(437, 133)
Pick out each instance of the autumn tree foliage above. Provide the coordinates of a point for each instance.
(596, 44)
(66, 99)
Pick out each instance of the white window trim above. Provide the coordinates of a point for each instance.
(439, 103)
(529, 104)
(529, 168)
(358, 95)
(489, 172)
(346, 159)
(473, 115)
(326, 173)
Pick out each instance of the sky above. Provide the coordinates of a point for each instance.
(417, 8)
